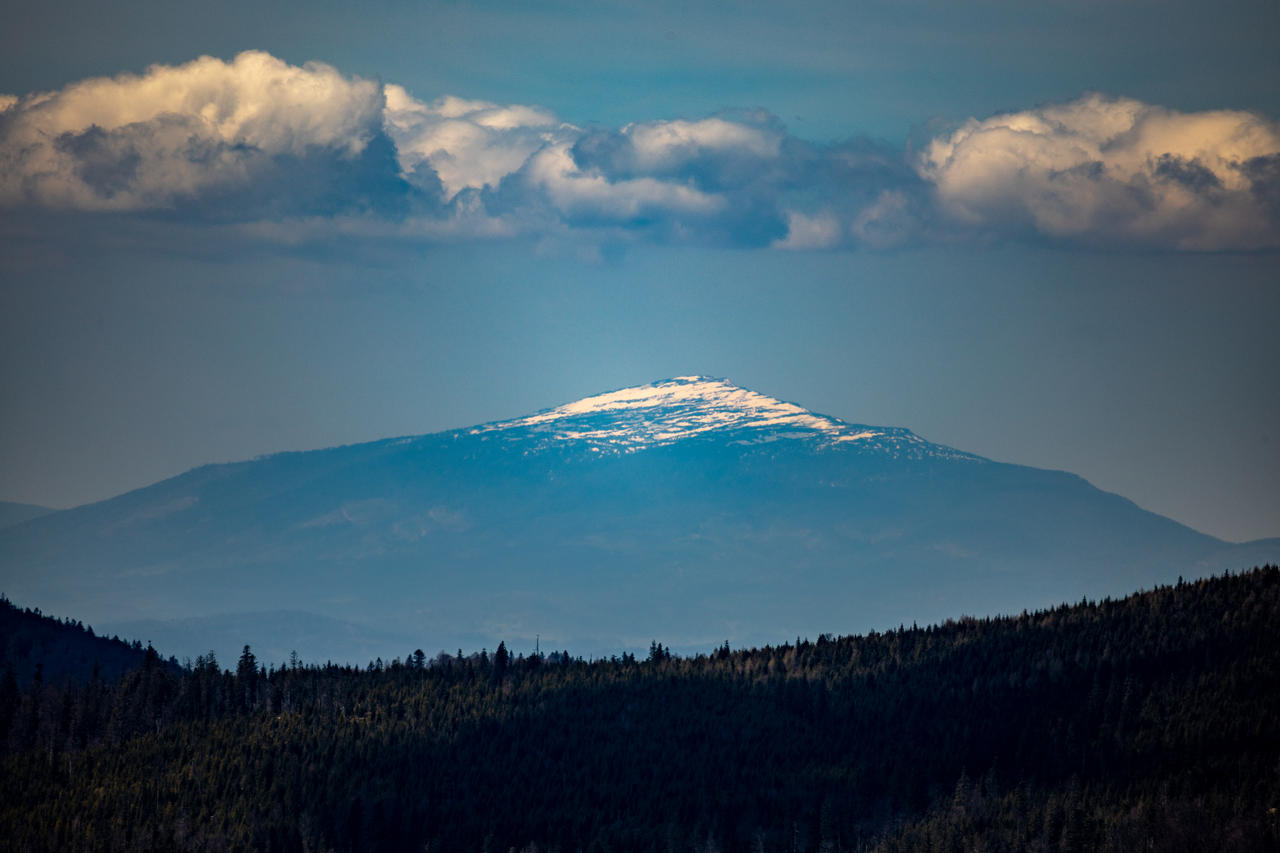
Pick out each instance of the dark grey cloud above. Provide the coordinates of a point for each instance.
(1264, 182)
(731, 179)
(106, 163)
(1191, 173)
(259, 184)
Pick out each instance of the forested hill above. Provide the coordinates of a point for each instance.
(38, 646)
(1143, 723)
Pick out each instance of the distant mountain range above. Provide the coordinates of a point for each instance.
(690, 511)
(15, 513)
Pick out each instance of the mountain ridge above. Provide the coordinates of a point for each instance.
(13, 513)
(600, 532)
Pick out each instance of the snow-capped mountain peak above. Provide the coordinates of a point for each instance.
(674, 409)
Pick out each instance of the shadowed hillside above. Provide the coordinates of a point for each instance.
(60, 649)
(1142, 723)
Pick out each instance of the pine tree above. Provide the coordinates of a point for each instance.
(501, 660)
(247, 678)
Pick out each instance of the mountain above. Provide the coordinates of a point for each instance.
(689, 511)
(15, 513)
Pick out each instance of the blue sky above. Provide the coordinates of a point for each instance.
(1044, 234)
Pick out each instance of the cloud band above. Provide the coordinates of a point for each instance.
(258, 140)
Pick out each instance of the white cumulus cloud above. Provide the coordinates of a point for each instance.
(821, 231)
(467, 144)
(144, 141)
(588, 193)
(295, 150)
(1114, 171)
(659, 146)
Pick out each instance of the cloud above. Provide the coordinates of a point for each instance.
(253, 129)
(670, 181)
(466, 144)
(821, 231)
(733, 179)
(289, 150)
(1114, 171)
(283, 152)
(713, 150)
(584, 195)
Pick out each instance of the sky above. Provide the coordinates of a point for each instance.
(1045, 233)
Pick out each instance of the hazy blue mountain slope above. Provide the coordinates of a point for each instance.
(15, 513)
(689, 511)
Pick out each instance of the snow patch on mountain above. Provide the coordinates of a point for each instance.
(672, 410)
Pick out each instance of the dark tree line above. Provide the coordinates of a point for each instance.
(1149, 722)
(35, 645)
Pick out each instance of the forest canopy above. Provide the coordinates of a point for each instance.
(1142, 723)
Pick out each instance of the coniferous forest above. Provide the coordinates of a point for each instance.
(1147, 723)
(36, 646)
